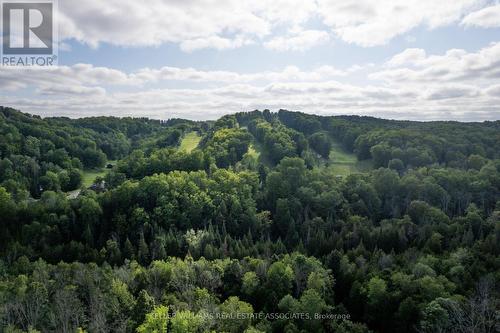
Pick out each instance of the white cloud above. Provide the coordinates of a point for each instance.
(289, 73)
(413, 84)
(294, 12)
(215, 42)
(82, 90)
(488, 17)
(135, 23)
(408, 56)
(370, 23)
(451, 92)
(454, 65)
(301, 41)
(328, 97)
(78, 79)
(14, 78)
(493, 91)
(64, 80)
(192, 24)
(63, 90)
(227, 24)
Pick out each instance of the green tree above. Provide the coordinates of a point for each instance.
(156, 321)
(234, 308)
(186, 322)
(279, 281)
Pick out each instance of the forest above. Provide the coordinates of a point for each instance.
(256, 222)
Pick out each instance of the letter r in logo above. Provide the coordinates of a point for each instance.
(27, 28)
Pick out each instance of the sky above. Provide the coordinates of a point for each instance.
(200, 59)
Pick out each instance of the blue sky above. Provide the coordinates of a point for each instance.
(200, 59)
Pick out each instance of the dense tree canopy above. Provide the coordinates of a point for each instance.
(252, 224)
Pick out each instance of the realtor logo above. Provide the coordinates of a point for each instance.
(28, 33)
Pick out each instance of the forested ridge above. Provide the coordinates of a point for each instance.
(256, 222)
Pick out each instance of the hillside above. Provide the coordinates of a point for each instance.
(358, 224)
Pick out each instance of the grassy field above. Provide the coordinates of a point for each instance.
(344, 163)
(341, 162)
(90, 175)
(190, 141)
(339, 156)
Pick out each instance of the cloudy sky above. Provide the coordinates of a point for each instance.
(200, 59)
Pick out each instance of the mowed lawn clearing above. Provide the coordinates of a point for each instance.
(90, 175)
(190, 141)
(344, 163)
